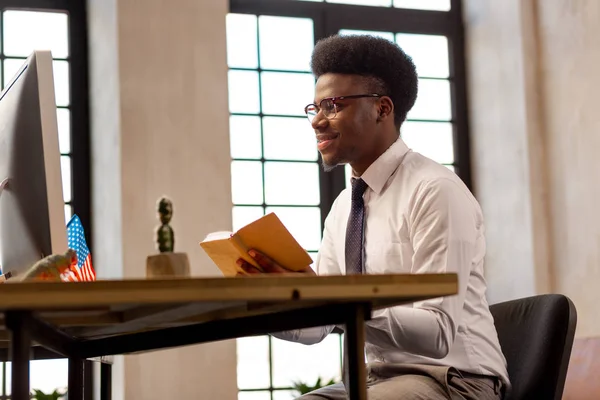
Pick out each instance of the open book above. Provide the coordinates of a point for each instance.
(267, 235)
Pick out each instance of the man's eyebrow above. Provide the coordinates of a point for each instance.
(318, 102)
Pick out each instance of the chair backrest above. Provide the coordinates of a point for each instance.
(536, 335)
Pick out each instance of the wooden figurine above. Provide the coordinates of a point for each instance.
(167, 263)
(164, 233)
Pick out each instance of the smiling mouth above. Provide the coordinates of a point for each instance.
(323, 141)
(326, 138)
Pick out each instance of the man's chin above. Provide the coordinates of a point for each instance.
(329, 165)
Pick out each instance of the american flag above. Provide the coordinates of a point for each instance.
(83, 270)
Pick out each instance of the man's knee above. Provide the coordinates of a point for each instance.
(312, 396)
(309, 396)
(408, 387)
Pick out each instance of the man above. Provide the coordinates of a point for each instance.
(404, 214)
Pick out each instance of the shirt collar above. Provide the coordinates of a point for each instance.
(384, 166)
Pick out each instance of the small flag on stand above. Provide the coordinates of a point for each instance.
(83, 270)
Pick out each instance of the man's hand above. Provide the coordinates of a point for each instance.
(268, 266)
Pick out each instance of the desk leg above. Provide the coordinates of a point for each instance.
(75, 378)
(355, 348)
(20, 345)
(105, 381)
(88, 380)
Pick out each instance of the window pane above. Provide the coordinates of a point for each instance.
(63, 118)
(246, 182)
(304, 223)
(68, 213)
(11, 67)
(242, 48)
(285, 395)
(384, 3)
(253, 362)
(386, 35)
(289, 139)
(433, 101)
(61, 82)
(65, 167)
(432, 139)
(243, 92)
(48, 375)
(25, 31)
(242, 216)
(292, 183)
(285, 43)
(286, 93)
(262, 395)
(296, 362)
(437, 5)
(245, 137)
(429, 53)
(8, 377)
(348, 174)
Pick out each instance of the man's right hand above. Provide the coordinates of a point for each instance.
(269, 266)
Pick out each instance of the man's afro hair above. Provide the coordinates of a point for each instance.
(391, 71)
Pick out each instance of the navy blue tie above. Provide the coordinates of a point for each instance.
(354, 247)
(354, 229)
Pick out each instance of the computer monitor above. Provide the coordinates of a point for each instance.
(32, 217)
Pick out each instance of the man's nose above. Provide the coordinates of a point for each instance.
(319, 122)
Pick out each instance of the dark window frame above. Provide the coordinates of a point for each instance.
(329, 19)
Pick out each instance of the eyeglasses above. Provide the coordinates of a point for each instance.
(329, 106)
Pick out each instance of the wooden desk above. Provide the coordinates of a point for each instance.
(93, 319)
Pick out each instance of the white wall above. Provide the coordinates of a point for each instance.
(533, 86)
(160, 127)
(508, 167)
(570, 59)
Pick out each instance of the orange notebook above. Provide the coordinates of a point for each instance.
(267, 235)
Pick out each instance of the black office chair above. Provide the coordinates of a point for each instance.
(536, 335)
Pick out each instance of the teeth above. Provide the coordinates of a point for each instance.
(329, 138)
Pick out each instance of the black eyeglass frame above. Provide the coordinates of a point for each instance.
(333, 100)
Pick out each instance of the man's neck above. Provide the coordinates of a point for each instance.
(359, 168)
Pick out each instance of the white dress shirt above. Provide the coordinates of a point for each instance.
(419, 218)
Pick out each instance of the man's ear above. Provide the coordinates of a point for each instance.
(386, 108)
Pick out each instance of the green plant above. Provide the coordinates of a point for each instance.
(56, 395)
(303, 388)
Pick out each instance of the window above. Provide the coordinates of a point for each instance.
(275, 164)
(58, 26)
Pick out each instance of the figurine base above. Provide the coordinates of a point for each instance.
(168, 265)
